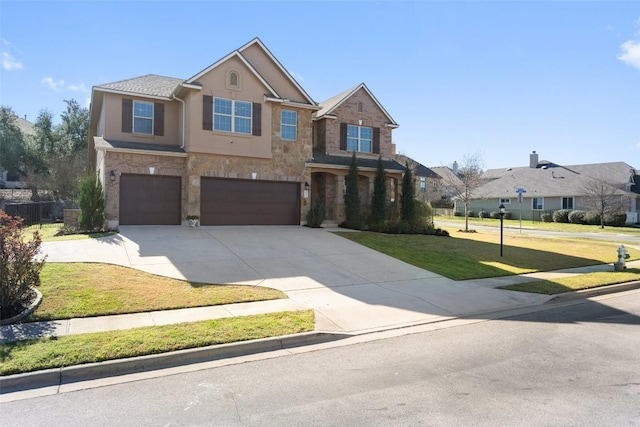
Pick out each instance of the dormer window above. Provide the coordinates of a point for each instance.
(233, 80)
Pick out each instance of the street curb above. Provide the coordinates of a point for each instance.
(93, 371)
(593, 292)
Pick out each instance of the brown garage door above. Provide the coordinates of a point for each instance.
(249, 202)
(149, 199)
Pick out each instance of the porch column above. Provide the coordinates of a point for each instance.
(339, 201)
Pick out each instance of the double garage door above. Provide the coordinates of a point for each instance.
(156, 200)
(249, 202)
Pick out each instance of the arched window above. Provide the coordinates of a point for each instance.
(234, 79)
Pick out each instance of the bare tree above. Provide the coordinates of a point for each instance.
(466, 181)
(602, 197)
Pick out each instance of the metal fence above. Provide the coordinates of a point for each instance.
(32, 212)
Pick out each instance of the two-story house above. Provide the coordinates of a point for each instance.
(240, 142)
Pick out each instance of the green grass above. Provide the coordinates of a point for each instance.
(538, 225)
(575, 283)
(477, 255)
(46, 353)
(48, 233)
(85, 289)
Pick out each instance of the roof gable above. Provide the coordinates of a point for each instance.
(238, 55)
(255, 56)
(330, 105)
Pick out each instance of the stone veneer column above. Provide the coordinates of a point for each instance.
(340, 209)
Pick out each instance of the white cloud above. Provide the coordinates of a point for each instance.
(52, 83)
(78, 88)
(630, 50)
(9, 62)
(630, 53)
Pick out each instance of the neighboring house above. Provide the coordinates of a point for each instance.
(428, 184)
(549, 187)
(240, 142)
(353, 121)
(450, 180)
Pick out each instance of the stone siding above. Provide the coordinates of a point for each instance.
(371, 116)
(133, 163)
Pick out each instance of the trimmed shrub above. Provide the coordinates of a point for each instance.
(483, 214)
(592, 218)
(496, 215)
(456, 213)
(615, 219)
(546, 217)
(561, 216)
(471, 213)
(19, 270)
(577, 217)
(92, 204)
(316, 214)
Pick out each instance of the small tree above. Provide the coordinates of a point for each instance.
(379, 196)
(92, 204)
(19, 270)
(407, 198)
(352, 196)
(465, 185)
(601, 196)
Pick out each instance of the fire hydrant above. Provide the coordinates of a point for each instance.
(623, 255)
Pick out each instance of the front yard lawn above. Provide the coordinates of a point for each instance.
(466, 256)
(46, 353)
(85, 290)
(575, 283)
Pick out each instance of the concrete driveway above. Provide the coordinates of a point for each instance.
(351, 288)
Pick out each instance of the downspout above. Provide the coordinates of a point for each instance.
(183, 119)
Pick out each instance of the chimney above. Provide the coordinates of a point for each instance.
(533, 160)
(455, 168)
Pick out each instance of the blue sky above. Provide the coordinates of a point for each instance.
(497, 78)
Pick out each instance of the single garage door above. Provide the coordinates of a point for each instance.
(150, 199)
(249, 202)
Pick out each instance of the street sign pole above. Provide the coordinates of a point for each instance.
(520, 192)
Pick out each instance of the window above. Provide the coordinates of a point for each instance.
(423, 184)
(143, 117)
(505, 201)
(567, 203)
(288, 125)
(537, 203)
(232, 116)
(233, 79)
(359, 107)
(359, 138)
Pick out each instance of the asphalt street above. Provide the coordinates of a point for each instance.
(575, 363)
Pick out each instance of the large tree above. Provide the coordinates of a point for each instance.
(352, 195)
(466, 183)
(12, 144)
(379, 196)
(57, 154)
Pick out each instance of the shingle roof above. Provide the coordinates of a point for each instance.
(150, 85)
(553, 180)
(419, 168)
(321, 158)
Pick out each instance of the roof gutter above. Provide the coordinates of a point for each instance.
(183, 120)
